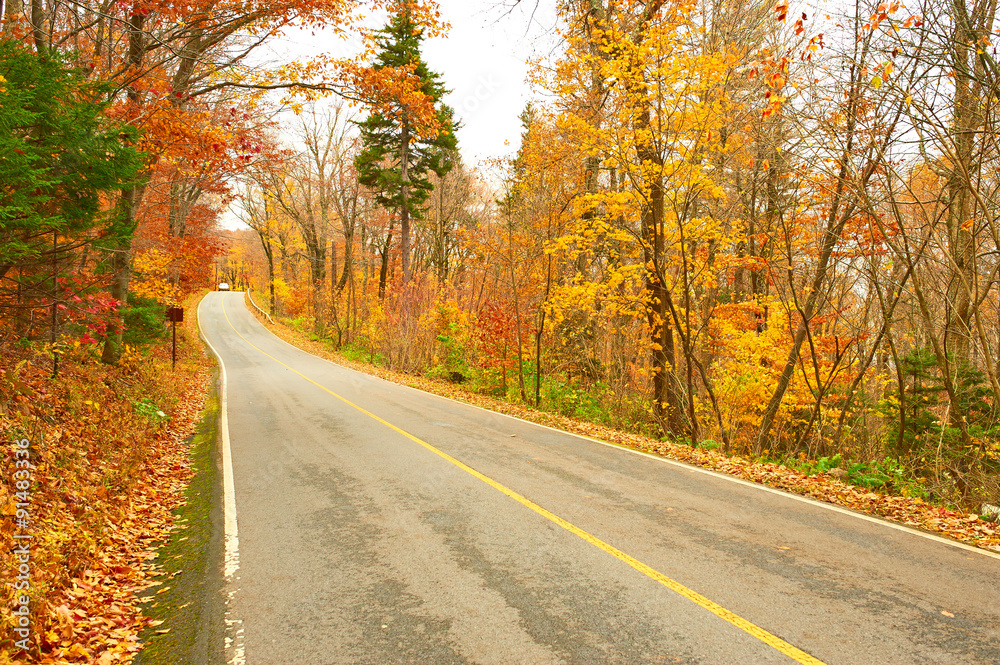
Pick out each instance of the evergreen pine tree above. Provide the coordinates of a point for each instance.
(921, 399)
(60, 155)
(396, 159)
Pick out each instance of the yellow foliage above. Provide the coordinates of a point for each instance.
(155, 276)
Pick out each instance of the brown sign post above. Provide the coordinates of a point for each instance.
(175, 315)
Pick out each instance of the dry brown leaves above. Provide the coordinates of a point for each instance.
(106, 481)
(909, 511)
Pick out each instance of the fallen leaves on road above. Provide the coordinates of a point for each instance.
(909, 511)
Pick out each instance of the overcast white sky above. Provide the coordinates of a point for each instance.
(482, 61)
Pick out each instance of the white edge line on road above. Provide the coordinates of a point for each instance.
(684, 465)
(231, 561)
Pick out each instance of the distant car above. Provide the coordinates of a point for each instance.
(223, 286)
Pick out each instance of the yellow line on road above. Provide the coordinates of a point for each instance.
(748, 627)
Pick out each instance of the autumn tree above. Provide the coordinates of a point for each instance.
(306, 193)
(257, 212)
(173, 68)
(660, 131)
(539, 186)
(400, 148)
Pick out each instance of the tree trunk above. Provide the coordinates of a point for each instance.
(38, 26)
(182, 200)
(666, 396)
(970, 28)
(121, 248)
(333, 268)
(317, 268)
(541, 330)
(269, 253)
(404, 210)
(348, 256)
(841, 210)
(383, 273)
(517, 321)
(11, 13)
(835, 225)
(121, 268)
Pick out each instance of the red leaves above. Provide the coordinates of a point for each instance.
(96, 312)
(496, 334)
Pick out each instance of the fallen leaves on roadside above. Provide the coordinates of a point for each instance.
(106, 479)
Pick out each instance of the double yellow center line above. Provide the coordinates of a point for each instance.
(748, 627)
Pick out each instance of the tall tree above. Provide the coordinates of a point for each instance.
(61, 157)
(400, 148)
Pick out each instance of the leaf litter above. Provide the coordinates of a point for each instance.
(106, 480)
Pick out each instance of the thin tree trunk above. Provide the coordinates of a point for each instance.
(404, 211)
(383, 273)
(666, 397)
(11, 14)
(333, 267)
(317, 265)
(541, 331)
(269, 251)
(839, 214)
(517, 320)
(121, 269)
(128, 203)
(348, 257)
(38, 26)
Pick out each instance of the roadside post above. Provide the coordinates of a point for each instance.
(175, 315)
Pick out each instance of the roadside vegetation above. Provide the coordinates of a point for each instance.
(123, 128)
(760, 241)
(764, 232)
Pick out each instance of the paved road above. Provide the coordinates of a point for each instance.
(379, 524)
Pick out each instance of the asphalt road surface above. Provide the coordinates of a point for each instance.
(374, 523)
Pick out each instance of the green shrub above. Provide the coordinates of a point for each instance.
(888, 476)
(148, 410)
(575, 400)
(144, 321)
(355, 352)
